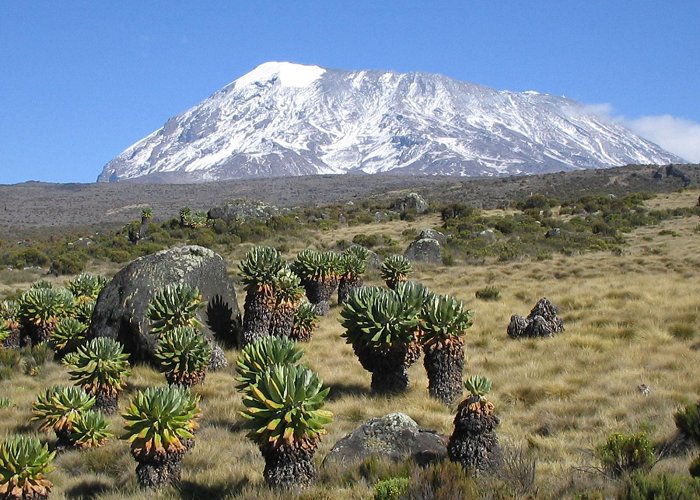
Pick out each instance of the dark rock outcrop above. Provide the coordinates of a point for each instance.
(424, 250)
(121, 308)
(541, 322)
(395, 436)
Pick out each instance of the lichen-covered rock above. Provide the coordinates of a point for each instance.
(424, 250)
(412, 201)
(240, 210)
(541, 322)
(395, 436)
(121, 309)
(433, 234)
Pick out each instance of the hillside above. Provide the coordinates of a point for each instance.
(36, 205)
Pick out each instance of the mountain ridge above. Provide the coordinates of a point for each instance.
(285, 119)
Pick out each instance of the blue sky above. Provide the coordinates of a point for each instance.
(83, 80)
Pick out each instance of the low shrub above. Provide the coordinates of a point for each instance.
(488, 293)
(391, 489)
(645, 487)
(626, 453)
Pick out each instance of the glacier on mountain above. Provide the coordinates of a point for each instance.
(289, 119)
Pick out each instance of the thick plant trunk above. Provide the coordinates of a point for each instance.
(106, 403)
(187, 380)
(282, 320)
(388, 368)
(319, 293)
(287, 466)
(346, 285)
(474, 442)
(159, 472)
(445, 366)
(256, 320)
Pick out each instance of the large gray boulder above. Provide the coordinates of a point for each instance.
(424, 250)
(395, 436)
(120, 312)
(432, 233)
(412, 201)
(240, 210)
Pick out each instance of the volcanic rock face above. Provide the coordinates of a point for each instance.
(121, 309)
(285, 119)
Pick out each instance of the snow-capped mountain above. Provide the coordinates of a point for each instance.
(289, 119)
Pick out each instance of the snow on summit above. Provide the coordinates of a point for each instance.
(289, 74)
(284, 119)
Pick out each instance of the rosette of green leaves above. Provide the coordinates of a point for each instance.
(24, 462)
(9, 310)
(44, 306)
(90, 430)
(260, 267)
(83, 309)
(478, 386)
(305, 321)
(87, 286)
(255, 358)
(284, 406)
(183, 355)
(172, 306)
(312, 265)
(444, 317)
(159, 420)
(353, 261)
(287, 287)
(100, 366)
(377, 318)
(4, 330)
(59, 407)
(68, 334)
(395, 269)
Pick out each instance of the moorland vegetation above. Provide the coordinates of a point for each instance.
(609, 406)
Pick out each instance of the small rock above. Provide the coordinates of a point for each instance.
(487, 234)
(412, 201)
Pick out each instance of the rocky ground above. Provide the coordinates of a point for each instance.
(43, 205)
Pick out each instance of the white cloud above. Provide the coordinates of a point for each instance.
(677, 135)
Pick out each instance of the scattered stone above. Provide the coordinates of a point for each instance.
(644, 389)
(487, 234)
(121, 308)
(395, 436)
(424, 250)
(541, 322)
(432, 234)
(553, 233)
(240, 210)
(412, 201)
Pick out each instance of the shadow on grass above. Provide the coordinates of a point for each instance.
(233, 427)
(195, 491)
(341, 390)
(90, 488)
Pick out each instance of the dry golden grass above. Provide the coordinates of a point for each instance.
(630, 319)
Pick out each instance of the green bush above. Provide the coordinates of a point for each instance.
(391, 489)
(488, 293)
(688, 421)
(645, 487)
(625, 453)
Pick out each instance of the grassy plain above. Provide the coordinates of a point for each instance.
(631, 318)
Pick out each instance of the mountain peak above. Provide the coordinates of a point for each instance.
(288, 74)
(284, 119)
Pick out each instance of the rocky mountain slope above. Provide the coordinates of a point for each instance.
(285, 119)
